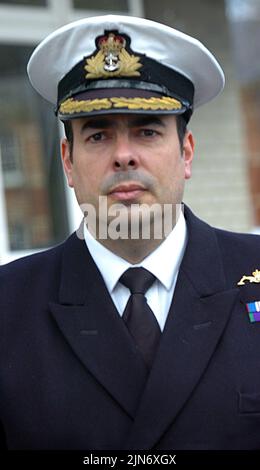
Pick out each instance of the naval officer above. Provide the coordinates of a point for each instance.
(130, 342)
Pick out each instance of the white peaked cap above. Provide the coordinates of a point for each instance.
(168, 54)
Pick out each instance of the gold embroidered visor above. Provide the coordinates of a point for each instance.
(118, 100)
(74, 106)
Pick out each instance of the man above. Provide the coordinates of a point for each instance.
(113, 341)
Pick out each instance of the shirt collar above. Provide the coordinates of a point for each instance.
(171, 249)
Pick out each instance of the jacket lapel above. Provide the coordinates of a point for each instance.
(198, 315)
(88, 319)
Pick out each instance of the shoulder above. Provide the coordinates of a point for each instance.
(238, 244)
(32, 262)
(229, 242)
(240, 253)
(25, 273)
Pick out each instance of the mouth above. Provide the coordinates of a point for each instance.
(127, 191)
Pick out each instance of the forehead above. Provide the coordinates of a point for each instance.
(125, 120)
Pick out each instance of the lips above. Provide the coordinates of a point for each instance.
(127, 191)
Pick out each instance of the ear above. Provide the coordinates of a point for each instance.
(188, 153)
(67, 161)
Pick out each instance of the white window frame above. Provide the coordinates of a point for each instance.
(28, 25)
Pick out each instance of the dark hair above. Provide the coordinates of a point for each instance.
(69, 134)
(181, 130)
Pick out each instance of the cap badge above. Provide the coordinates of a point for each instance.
(112, 59)
(253, 310)
(254, 278)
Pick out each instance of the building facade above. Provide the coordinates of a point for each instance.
(37, 210)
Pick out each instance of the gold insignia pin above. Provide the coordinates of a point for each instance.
(112, 59)
(254, 278)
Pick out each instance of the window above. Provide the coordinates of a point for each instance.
(11, 159)
(36, 3)
(115, 5)
(10, 153)
(29, 145)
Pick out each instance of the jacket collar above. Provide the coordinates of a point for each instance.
(198, 316)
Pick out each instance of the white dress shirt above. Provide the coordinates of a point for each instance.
(164, 262)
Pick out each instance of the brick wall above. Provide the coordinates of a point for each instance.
(250, 95)
(219, 189)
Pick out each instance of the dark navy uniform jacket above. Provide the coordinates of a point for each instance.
(72, 378)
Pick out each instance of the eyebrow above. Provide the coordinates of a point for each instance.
(139, 121)
(147, 121)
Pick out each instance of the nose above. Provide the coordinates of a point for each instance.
(124, 155)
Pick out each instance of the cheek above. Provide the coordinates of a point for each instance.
(170, 179)
(172, 167)
(87, 180)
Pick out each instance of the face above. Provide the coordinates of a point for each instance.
(130, 159)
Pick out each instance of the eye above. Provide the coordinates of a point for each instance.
(97, 137)
(148, 132)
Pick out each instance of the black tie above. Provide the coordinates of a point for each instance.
(138, 316)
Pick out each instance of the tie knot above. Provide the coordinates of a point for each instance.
(138, 280)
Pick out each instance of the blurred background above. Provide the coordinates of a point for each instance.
(37, 210)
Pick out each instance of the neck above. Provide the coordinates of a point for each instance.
(133, 251)
(131, 245)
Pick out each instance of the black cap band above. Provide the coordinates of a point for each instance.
(153, 77)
